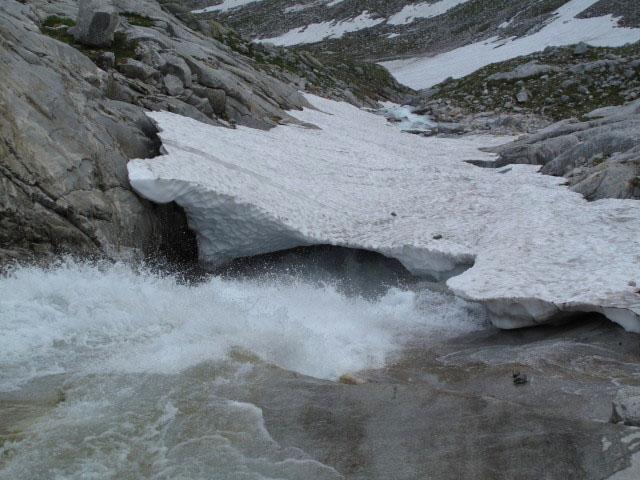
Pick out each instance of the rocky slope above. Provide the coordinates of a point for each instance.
(397, 28)
(557, 83)
(72, 115)
(594, 143)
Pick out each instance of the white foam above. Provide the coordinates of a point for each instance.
(114, 319)
(564, 29)
(406, 119)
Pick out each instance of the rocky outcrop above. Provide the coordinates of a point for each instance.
(600, 158)
(72, 115)
(96, 24)
(526, 94)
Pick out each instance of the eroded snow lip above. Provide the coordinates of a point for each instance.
(537, 249)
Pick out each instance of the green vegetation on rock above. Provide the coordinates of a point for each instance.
(137, 19)
(572, 86)
(121, 47)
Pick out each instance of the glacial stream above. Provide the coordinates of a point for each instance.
(110, 371)
(317, 363)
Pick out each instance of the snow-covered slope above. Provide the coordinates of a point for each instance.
(476, 32)
(527, 247)
(563, 29)
(317, 32)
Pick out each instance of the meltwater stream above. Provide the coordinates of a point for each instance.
(110, 371)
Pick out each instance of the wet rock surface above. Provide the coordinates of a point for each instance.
(449, 409)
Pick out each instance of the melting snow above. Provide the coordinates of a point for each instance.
(564, 29)
(423, 10)
(316, 32)
(536, 247)
(225, 5)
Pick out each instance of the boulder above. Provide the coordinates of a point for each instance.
(523, 71)
(175, 65)
(216, 97)
(523, 96)
(452, 128)
(96, 24)
(173, 85)
(581, 49)
(626, 407)
(135, 69)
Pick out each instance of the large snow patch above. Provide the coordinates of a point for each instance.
(528, 248)
(317, 32)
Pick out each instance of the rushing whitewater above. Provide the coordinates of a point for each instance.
(106, 363)
(533, 250)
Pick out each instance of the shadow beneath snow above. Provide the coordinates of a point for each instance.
(353, 272)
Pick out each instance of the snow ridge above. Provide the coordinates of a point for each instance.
(528, 248)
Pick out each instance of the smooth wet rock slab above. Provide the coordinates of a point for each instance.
(449, 409)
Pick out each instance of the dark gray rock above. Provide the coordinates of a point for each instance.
(216, 97)
(96, 23)
(452, 128)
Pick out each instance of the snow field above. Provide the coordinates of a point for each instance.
(535, 248)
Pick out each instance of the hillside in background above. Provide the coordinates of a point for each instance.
(381, 29)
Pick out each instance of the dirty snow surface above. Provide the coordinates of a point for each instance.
(563, 29)
(517, 240)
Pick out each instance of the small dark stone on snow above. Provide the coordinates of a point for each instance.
(437, 237)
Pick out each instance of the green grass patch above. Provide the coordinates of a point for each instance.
(121, 47)
(51, 27)
(55, 21)
(139, 20)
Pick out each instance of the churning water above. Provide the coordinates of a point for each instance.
(110, 371)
